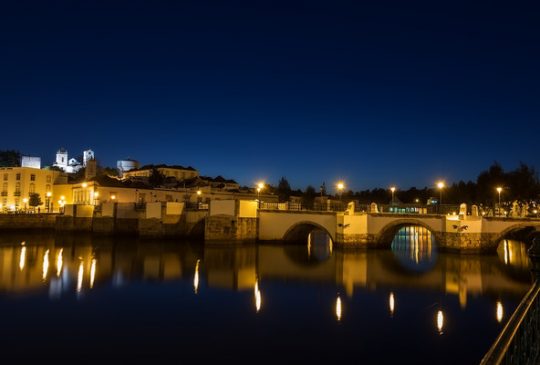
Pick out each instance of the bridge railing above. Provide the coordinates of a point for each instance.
(315, 207)
(519, 341)
(336, 206)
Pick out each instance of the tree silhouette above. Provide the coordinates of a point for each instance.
(35, 200)
(283, 190)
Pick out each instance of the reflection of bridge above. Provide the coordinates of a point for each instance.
(79, 266)
(463, 233)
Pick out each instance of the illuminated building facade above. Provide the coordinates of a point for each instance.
(19, 182)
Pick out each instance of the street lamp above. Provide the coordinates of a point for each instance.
(199, 193)
(48, 203)
(499, 190)
(393, 189)
(260, 186)
(440, 186)
(340, 187)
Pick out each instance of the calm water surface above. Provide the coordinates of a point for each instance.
(77, 299)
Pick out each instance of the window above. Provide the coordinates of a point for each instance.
(32, 189)
(48, 188)
(33, 177)
(49, 178)
(18, 187)
(18, 177)
(5, 177)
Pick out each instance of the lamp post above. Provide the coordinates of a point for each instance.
(48, 202)
(499, 190)
(340, 187)
(441, 186)
(96, 197)
(199, 193)
(260, 186)
(393, 189)
(25, 201)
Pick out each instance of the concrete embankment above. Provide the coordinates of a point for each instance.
(13, 222)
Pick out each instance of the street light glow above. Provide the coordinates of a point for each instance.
(340, 185)
(84, 185)
(393, 189)
(441, 184)
(499, 189)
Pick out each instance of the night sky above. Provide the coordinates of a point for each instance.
(373, 92)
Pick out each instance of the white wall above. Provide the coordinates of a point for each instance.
(273, 226)
(376, 223)
(174, 208)
(153, 210)
(248, 209)
(227, 207)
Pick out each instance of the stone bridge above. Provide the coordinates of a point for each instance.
(463, 233)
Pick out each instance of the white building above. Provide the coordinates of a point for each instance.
(29, 161)
(126, 165)
(72, 165)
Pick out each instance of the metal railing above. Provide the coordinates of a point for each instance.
(519, 341)
(336, 206)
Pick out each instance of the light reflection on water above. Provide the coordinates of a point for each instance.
(414, 246)
(442, 294)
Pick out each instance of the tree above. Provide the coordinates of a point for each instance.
(308, 197)
(283, 190)
(35, 200)
(156, 178)
(10, 158)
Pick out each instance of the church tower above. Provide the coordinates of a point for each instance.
(61, 158)
(87, 156)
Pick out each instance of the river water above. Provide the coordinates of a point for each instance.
(78, 299)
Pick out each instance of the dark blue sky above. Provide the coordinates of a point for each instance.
(376, 93)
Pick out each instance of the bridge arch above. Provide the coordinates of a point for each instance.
(524, 231)
(299, 231)
(388, 232)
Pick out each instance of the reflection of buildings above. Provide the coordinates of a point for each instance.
(77, 265)
(415, 242)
